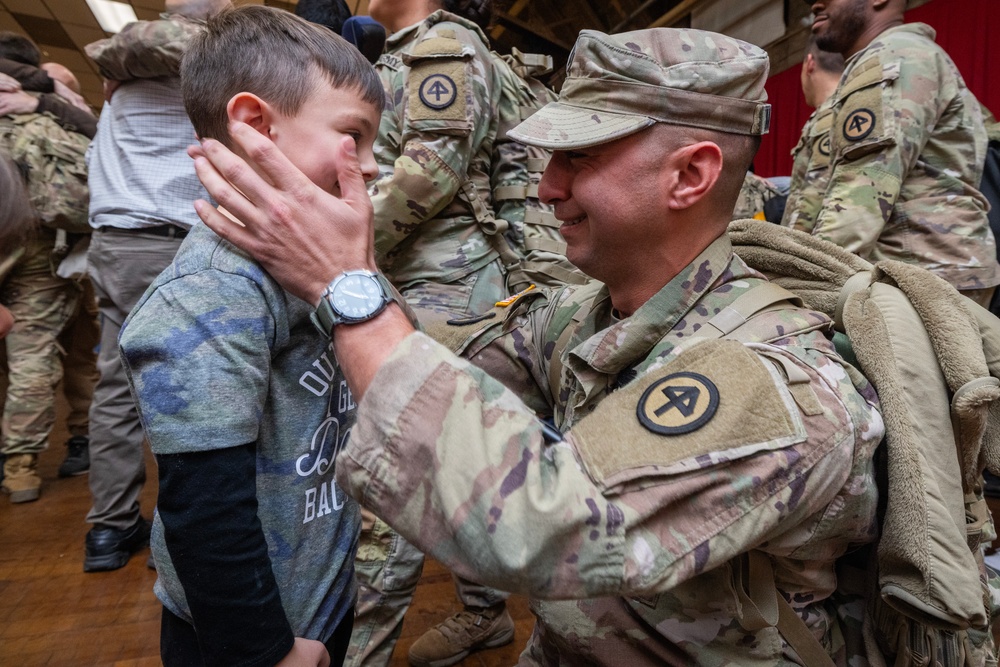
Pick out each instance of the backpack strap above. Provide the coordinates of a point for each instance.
(762, 606)
(756, 300)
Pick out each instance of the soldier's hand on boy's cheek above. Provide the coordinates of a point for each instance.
(302, 235)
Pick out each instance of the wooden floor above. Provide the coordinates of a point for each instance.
(51, 613)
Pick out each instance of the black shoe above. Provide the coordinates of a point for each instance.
(110, 548)
(77, 460)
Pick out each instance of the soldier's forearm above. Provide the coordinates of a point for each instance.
(30, 78)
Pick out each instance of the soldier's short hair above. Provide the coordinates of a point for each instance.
(19, 48)
(827, 61)
(273, 54)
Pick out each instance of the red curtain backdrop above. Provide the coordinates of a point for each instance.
(965, 29)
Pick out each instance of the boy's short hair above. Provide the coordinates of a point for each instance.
(273, 54)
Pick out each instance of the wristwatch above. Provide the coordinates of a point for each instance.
(352, 297)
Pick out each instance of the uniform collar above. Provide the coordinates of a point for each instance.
(921, 29)
(414, 32)
(616, 346)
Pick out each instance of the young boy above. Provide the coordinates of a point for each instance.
(240, 395)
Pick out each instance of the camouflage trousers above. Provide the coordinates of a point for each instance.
(387, 566)
(42, 305)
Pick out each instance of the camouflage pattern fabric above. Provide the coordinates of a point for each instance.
(756, 192)
(436, 137)
(436, 155)
(52, 159)
(906, 147)
(810, 170)
(42, 304)
(615, 87)
(630, 539)
(145, 49)
(535, 252)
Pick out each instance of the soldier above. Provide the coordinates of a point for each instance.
(821, 72)
(898, 177)
(754, 194)
(680, 460)
(81, 335)
(437, 151)
(41, 302)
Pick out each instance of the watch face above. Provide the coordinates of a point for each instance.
(356, 296)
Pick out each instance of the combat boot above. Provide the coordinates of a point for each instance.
(20, 478)
(454, 638)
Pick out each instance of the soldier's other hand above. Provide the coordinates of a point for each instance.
(306, 653)
(301, 234)
(19, 102)
(70, 95)
(9, 84)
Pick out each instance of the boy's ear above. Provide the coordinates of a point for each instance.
(250, 109)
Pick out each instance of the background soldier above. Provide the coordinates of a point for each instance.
(679, 457)
(821, 71)
(906, 150)
(436, 145)
(52, 161)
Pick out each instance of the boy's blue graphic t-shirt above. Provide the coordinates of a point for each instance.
(220, 356)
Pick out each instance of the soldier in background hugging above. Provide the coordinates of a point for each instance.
(51, 160)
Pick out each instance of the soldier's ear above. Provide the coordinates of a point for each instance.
(250, 109)
(809, 63)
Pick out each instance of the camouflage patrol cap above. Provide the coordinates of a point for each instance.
(619, 84)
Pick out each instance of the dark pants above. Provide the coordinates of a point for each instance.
(179, 641)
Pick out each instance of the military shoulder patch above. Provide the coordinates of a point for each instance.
(824, 146)
(438, 91)
(678, 404)
(438, 79)
(717, 401)
(859, 124)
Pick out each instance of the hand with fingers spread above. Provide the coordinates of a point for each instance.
(302, 235)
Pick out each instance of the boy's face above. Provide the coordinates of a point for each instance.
(310, 138)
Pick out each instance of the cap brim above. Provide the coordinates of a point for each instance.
(559, 126)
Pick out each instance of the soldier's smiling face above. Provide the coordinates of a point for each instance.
(608, 198)
(837, 24)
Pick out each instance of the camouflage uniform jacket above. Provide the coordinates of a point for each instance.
(628, 538)
(810, 170)
(145, 49)
(756, 192)
(436, 135)
(907, 146)
(52, 158)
